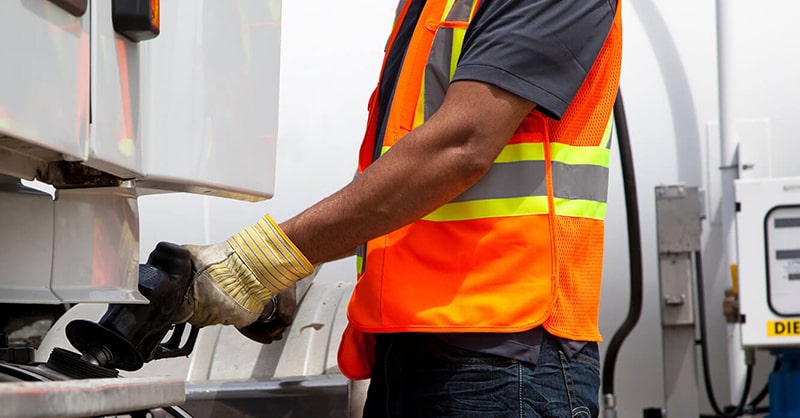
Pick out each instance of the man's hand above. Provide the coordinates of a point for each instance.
(236, 279)
(277, 317)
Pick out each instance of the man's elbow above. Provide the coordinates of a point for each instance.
(474, 159)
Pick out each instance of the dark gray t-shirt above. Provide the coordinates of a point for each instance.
(540, 50)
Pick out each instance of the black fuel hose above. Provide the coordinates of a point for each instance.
(701, 313)
(756, 402)
(634, 247)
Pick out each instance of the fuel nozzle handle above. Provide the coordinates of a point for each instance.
(129, 335)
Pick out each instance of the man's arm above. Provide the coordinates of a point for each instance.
(431, 165)
(427, 168)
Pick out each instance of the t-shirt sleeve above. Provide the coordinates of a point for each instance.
(540, 50)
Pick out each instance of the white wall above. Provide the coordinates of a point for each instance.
(669, 88)
(330, 59)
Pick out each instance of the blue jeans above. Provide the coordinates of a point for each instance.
(418, 375)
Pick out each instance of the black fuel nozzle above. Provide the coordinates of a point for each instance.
(129, 335)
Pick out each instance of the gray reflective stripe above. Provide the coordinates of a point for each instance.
(397, 12)
(461, 11)
(400, 5)
(437, 71)
(580, 182)
(527, 178)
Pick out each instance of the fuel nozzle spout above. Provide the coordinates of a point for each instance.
(129, 335)
(99, 356)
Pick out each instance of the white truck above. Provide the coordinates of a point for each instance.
(103, 103)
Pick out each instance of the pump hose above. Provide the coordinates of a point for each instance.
(701, 313)
(634, 248)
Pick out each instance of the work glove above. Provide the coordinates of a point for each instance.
(236, 280)
(277, 317)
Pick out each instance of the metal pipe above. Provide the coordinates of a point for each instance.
(729, 171)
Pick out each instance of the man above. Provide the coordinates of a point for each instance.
(480, 197)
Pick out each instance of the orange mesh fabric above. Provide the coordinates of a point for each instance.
(587, 117)
(579, 241)
(580, 255)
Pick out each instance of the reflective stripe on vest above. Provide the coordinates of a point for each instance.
(443, 58)
(580, 182)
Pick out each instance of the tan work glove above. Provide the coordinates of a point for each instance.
(235, 279)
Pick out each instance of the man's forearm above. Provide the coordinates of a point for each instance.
(430, 166)
(391, 193)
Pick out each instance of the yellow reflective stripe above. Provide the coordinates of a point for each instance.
(518, 206)
(607, 133)
(359, 264)
(521, 152)
(447, 9)
(419, 113)
(474, 6)
(580, 208)
(458, 42)
(563, 153)
(568, 154)
(492, 208)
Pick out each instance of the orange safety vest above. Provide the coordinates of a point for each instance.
(521, 248)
